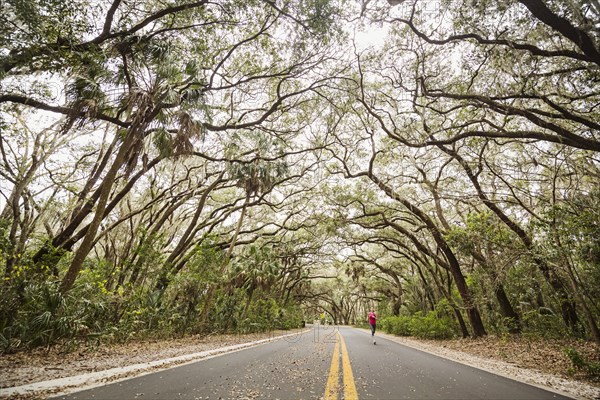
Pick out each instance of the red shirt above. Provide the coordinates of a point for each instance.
(372, 318)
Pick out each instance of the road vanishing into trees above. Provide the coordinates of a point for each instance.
(323, 363)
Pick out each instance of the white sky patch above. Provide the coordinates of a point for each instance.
(371, 37)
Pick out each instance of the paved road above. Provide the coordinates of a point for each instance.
(327, 363)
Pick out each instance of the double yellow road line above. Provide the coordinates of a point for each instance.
(332, 389)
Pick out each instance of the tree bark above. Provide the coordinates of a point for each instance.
(88, 240)
(568, 309)
(453, 264)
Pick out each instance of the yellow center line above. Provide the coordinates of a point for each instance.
(332, 388)
(349, 386)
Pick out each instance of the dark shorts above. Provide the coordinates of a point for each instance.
(373, 327)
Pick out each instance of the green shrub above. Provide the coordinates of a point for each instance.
(581, 364)
(543, 324)
(428, 326)
(399, 326)
(431, 326)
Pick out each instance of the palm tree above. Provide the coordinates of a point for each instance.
(256, 177)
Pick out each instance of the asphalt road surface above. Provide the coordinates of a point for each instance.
(325, 363)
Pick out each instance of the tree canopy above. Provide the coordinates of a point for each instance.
(183, 166)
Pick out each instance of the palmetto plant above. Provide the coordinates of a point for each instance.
(47, 315)
(256, 270)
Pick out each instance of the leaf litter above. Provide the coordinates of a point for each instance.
(538, 362)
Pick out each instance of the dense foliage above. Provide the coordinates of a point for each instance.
(174, 168)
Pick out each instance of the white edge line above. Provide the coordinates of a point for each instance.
(93, 379)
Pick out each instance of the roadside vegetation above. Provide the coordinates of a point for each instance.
(178, 168)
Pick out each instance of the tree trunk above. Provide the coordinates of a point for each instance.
(212, 290)
(235, 235)
(451, 264)
(455, 270)
(568, 310)
(182, 245)
(247, 305)
(507, 310)
(88, 240)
